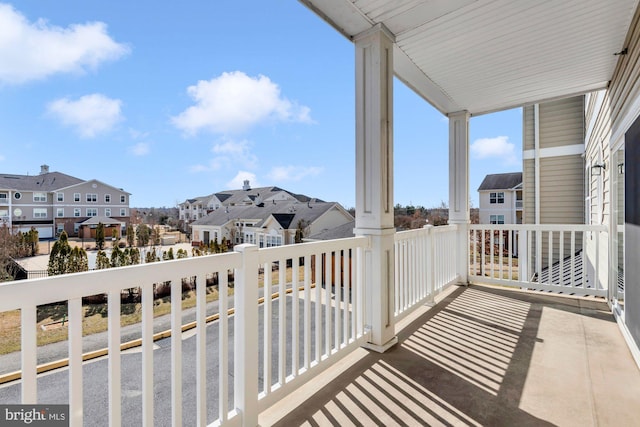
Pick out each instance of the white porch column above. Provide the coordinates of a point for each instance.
(374, 179)
(459, 187)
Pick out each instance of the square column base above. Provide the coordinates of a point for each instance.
(381, 348)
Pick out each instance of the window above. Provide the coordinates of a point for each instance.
(4, 213)
(92, 197)
(496, 197)
(39, 212)
(59, 228)
(107, 211)
(3, 197)
(76, 197)
(92, 212)
(17, 195)
(274, 241)
(60, 197)
(107, 198)
(496, 219)
(261, 239)
(123, 212)
(60, 212)
(123, 199)
(39, 197)
(76, 212)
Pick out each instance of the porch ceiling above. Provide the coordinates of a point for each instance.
(489, 55)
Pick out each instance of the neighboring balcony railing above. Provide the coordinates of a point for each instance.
(312, 313)
(519, 204)
(570, 259)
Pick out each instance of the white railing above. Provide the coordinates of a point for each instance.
(325, 309)
(570, 258)
(319, 306)
(424, 265)
(519, 204)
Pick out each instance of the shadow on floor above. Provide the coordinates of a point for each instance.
(465, 361)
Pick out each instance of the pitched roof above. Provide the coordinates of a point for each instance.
(222, 196)
(501, 181)
(296, 212)
(239, 197)
(222, 216)
(44, 182)
(95, 220)
(340, 232)
(287, 213)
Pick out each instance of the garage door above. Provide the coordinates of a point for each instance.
(45, 232)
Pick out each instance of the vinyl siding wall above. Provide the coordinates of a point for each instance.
(609, 116)
(561, 194)
(561, 123)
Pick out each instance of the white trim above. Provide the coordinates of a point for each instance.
(597, 109)
(536, 145)
(631, 344)
(565, 150)
(629, 115)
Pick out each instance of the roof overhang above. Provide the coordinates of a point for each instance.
(489, 55)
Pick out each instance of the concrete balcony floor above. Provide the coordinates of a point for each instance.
(482, 356)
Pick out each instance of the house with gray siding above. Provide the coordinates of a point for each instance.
(268, 224)
(52, 202)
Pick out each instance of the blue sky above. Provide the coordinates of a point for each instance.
(171, 100)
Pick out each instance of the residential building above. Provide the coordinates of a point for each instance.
(269, 224)
(193, 209)
(463, 60)
(553, 161)
(53, 201)
(500, 198)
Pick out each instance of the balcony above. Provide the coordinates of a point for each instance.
(472, 355)
(519, 205)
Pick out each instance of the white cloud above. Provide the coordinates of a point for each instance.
(35, 50)
(140, 149)
(498, 148)
(234, 153)
(292, 173)
(235, 102)
(136, 134)
(239, 179)
(89, 115)
(229, 154)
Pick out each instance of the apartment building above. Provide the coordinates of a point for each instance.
(500, 198)
(52, 202)
(198, 207)
(269, 224)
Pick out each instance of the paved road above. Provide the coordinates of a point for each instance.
(60, 350)
(53, 387)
